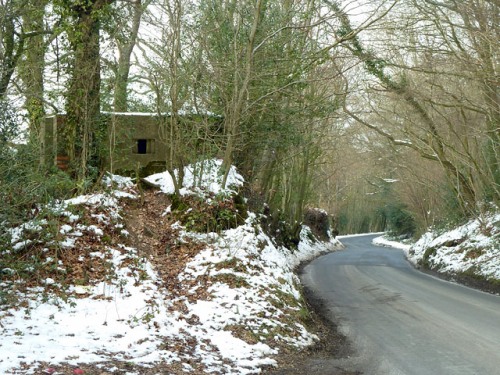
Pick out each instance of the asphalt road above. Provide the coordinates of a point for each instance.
(402, 321)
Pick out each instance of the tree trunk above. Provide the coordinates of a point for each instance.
(125, 48)
(12, 46)
(82, 127)
(32, 69)
(240, 93)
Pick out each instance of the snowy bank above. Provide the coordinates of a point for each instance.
(473, 248)
(99, 301)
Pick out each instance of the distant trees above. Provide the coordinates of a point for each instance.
(263, 59)
(22, 47)
(432, 88)
(22, 55)
(254, 64)
(31, 70)
(465, 85)
(169, 77)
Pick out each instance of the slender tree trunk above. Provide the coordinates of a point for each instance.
(235, 111)
(32, 69)
(12, 47)
(125, 48)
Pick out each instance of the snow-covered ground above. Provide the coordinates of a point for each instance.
(210, 178)
(238, 300)
(472, 249)
(383, 241)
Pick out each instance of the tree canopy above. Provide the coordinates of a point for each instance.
(384, 113)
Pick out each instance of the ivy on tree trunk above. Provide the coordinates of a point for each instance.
(83, 126)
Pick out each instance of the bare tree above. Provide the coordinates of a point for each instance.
(12, 40)
(418, 91)
(167, 64)
(125, 30)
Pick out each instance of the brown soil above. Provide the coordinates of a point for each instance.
(146, 223)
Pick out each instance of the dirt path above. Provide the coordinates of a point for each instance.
(146, 222)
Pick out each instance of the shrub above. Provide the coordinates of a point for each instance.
(24, 183)
(9, 124)
(400, 221)
(211, 213)
(24, 186)
(425, 261)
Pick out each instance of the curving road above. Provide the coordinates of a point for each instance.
(401, 321)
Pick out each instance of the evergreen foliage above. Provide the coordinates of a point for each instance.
(209, 213)
(24, 186)
(400, 221)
